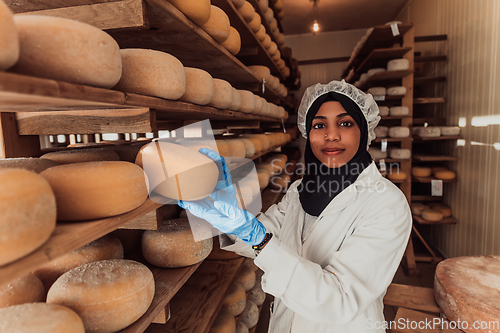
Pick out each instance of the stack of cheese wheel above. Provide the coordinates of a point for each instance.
(89, 56)
(235, 300)
(28, 289)
(108, 295)
(106, 247)
(224, 322)
(177, 243)
(27, 213)
(9, 41)
(40, 317)
(197, 11)
(94, 190)
(152, 73)
(28, 163)
(82, 155)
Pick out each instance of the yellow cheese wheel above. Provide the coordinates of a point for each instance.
(199, 86)
(250, 315)
(258, 105)
(28, 289)
(197, 144)
(196, 10)
(266, 143)
(236, 147)
(418, 171)
(184, 174)
(261, 72)
(263, 4)
(238, 3)
(247, 101)
(397, 175)
(255, 23)
(223, 94)
(223, 323)
(152, 73)
(220, 254)
(256, 143)
(9, 41)
(107, 247)
(445, 174)
(28, 163)
(241, 328)
(235, 300)
(247, 11)
(418, 207)
(278, 5)
(235, 105)
(261, 34)
(223, 148)
(446, 211)
(249, 147)
(431, 215)
(94, 190)
(267, 42)
(246, 277)
(40, 317)
(108, 295)
(127, 153)
(269, 14)
(233, 42)
(67, 50)
(177, 244)
(27, 213)
(217, 25)
(82, 155)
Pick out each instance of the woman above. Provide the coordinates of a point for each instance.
(331, 247)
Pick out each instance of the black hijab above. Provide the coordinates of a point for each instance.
(322, 184)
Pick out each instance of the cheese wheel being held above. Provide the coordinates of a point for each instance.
(9, 41)
(235, 300)
(173, 245)
(199, 86)
(40, 317)
(27, 213)
(217, 25)
(233, 42)
(94, 190)
(197, 11)
(67, 50)
(106, 247)
(152, 73)
(223, 323)
(108, 295)
(71, 156)
(28, 163)
(223, 94)
(431, 215)
(28, 289)
(235, 105)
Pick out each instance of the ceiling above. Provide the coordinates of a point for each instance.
(335, 15)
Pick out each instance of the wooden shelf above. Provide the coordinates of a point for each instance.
(429, 100)
(426, 198)
(394, 117)
(379, 58)
(445, 220)
(439, 138)
(429, 79)
(433, 158)
(385, 76)
(430, 179)
(392, 139)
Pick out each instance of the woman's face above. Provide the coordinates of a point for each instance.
(334, 135)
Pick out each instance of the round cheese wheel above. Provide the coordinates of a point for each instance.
(152, 73)
(199, 86)
(67, 50)
(383, 111)
(28, 163)
(431, 215)
(220, 254)
(272, 50)
(256, 142)
(255, 23)
(446, 211)
(250, 315)
(280, 39)
(217, 25)
(398, 65)
(257, 295)
(27, 213)
(247, 101)
(236, 147)
(223, 94)
(235, 105)
(238, 3)
(273, 24)
(269, 14)
(397, 175)
(377, 91)
(108, 295)
(374, 71)
(246, 278)
(177, 244)
(107, 247)
(223, 148)
(127, 153)
(450, 130)
(28, 289)
(263, 5)
(196, 144)
(278, 5)
(241, 328)
(247, 11)
(261, 72)
(376, 153)
(224, 322)
(418, 207)
(233, 42)
(381, 131)
(445, 174)
(400, 154)
(266, 43)
(9, 41)
(249, 147)
(94, 190)
(196, 10)
(398, 111)
(396, 91)
(40, 317)
(399, 132)
(261, 34)
(184, 174)
(418, 171)
(259, 104)
(235, 300)
(71, 156)
(466, 290)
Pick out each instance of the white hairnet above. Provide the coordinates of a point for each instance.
(366, 103)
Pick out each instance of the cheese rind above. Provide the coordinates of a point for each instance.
(233, 42)
(421, 171)
(398, 111)
(196, 10)
(224, 322)
(67, 50)
(217, 25)
(398, 153)
(82, 155)
(396, 91)
(235, 300)
(247, 11)
(247, 101)
(246, 278)
(383, 111)
(445, 174)
(199, 86)
(28, 163)
(250, 316)
(381, 131)
(376, 153)
(9, 41)
(377, 91)
(235, 105)
(398, 65)
(431, 215)
(28, 289)
(450, 130)
(399, 132)
(223, 94)
(261, 72)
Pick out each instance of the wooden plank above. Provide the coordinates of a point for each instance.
(433, 158)
(409, 263)
(85, 122)
(393, 139)
(439, 138)
(385, 76)
(148, 221)
(163, 316)
(196, 304)
(11, 143)
(429, 180)
(411, 297)
(411, 321)
(108, 15)
(22, 6)
(430, 38)
(68, 237)
(429, 100)
(445, 220)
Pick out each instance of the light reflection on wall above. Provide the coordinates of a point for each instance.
(483, 121)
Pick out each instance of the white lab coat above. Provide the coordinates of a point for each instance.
(336, 279)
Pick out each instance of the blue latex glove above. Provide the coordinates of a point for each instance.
(224, 189)
(228, 218)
